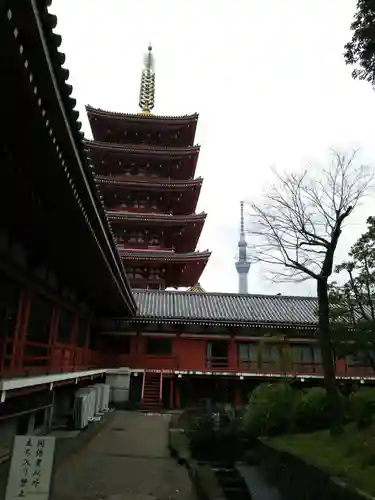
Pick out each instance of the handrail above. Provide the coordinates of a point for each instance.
(143, 385)
(161, 387)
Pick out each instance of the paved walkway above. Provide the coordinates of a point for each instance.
(129, 459)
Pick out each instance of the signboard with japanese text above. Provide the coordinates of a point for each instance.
(31, 468)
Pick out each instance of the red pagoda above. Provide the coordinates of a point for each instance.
(144, 167)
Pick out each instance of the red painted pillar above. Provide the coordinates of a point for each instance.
(87, 353)
(341, 367)
(12, 337)
(22, 333)
(232, 355)
(178, 395)
(73, 342)
(171, 394)
(54, 350)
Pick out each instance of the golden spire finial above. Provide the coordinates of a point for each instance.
(147, 91)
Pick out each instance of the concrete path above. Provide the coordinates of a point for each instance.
(129, 459)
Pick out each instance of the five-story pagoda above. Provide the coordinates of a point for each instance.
(144, 167)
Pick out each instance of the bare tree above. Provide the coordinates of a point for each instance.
(297, 227)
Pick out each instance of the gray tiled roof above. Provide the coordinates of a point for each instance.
(234, 309)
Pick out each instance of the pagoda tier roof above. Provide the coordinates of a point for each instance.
(164, 219)
(179, 130)
(210, 309)
(179, 272)
(143, 149)
(177, 163)
(181, 231)
(162, 255)
(180, 196)
(134, 181)
(140, 117)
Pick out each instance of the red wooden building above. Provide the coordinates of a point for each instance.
(196, 345)
(68, 315)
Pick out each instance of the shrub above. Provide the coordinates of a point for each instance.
(269, 410)
(311, 411)
(362, 406)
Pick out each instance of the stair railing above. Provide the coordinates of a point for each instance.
(161, 386)
(143, 385)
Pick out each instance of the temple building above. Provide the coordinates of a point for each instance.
(144, 169)
(91, 235)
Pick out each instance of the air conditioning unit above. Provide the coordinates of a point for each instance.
(91, 401)
(103, 392)
(81, 410)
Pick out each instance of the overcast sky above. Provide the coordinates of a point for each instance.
(267, 78)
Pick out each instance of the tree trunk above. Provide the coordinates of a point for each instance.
(324, 333)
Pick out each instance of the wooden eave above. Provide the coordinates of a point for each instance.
(101, 120)
(52, 159)
(157, 218)
(140, 117)
(142, 149)
(155, 256)
(148, 183)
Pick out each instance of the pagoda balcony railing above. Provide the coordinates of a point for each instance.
(137, 210)
(143, 246)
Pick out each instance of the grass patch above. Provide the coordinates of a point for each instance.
(350, 457)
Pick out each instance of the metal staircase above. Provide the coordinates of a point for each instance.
(152, 390)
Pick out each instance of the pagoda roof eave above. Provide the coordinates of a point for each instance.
(149, 217)
(140, 117)
(138, 148)
(162, 256)
(133, 181)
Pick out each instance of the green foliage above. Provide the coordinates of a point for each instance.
(270, 409)
(362, 406)
(311, 411)
(360, 51)
(352, 303)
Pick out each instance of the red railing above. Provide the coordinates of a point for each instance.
(217, 363)
(39, 359)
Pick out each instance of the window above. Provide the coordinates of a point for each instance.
(306, 354)
(251, 351)
(158, 346)
(247, 351)
(117, 344)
